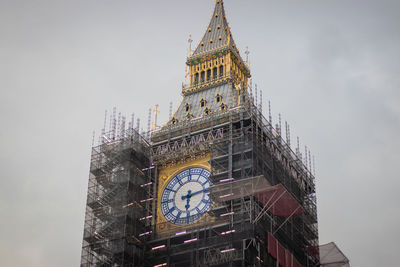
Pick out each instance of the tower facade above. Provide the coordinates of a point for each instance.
(215, 186)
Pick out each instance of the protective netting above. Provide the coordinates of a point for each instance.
(276, 198)
(234, 189)
(280, 202)
(331, 256)
(282, 255)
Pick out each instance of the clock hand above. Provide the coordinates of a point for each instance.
(189, 194)
(195, 193)
(187, 204)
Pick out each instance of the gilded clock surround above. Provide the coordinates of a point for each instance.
(186, 198)
(165, 175)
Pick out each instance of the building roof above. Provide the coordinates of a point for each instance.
(228, 97)
(217, 35)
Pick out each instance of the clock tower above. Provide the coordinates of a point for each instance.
(230, 191)
(217, 88)
(217, 185)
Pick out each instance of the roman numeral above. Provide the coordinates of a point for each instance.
(169, 189)
(167, 201)
(170, 211)
(205, 201)
(178, 216)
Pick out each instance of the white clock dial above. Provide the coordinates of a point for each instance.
(185, 199)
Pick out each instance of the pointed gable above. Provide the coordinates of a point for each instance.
(218, 34)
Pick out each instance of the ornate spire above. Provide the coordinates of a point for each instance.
(216, 59)
(218, 76)
(218, 35)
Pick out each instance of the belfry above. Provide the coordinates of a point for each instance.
(217, 185)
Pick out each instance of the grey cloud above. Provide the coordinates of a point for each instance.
(331, 68)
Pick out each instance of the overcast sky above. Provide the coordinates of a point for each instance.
(331, 68)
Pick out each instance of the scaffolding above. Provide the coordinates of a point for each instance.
(264, 205)
(121, 177)
(264, 210)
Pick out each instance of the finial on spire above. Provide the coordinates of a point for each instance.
(156, 112)
(247, 52)
(190, 45)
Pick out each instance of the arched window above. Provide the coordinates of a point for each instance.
(202, 77)
(218, 97)
(221, 71)
(187, 107)
(203, 103)
(196, 79)
(215, 74)
(223, 107)
(208, 74)
(207, 111)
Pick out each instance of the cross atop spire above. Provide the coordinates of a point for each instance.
(218, 34)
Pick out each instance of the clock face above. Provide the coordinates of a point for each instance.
(185, 199)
